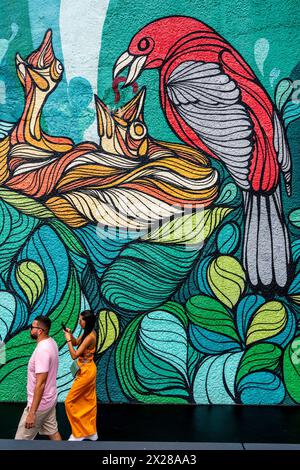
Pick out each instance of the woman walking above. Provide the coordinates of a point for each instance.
(81, 402)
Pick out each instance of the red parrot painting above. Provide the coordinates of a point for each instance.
(214, 102)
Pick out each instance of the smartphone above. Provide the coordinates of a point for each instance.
(64, 327)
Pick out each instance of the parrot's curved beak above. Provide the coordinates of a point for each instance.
(135, 63)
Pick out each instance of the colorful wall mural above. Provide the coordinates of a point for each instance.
(149, 171)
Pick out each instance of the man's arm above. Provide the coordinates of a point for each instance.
(41, 380)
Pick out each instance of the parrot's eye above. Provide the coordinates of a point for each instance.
(137, 130)
(144, 44)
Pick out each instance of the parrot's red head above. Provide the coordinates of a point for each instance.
(149, 48)
(41, 69)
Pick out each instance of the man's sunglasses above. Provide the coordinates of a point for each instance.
(38, 327)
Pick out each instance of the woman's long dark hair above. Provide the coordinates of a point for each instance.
(90, 321)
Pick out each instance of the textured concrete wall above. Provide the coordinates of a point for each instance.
(170, 207)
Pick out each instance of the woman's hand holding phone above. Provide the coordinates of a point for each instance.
(67, 332)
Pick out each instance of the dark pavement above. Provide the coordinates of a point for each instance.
(169, 423)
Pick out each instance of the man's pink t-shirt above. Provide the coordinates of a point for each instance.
(44, 359)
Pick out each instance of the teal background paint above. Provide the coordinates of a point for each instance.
(12, 13)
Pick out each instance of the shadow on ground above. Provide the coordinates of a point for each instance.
(179, 423)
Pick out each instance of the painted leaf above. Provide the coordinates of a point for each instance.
(76, 250)
(286, 335)
(126, 357)
(258, 357)
(291, 369)
(25, 204)
(209, 342)
(220, 370)
(291, 112)
(294, 289)
(228, 238)
(268, 321)
(164, 336)
(159, 377)
(202, 276)
(177, 310)
(228, 194)
(245, 310)
(90, 286)
(21, 317)
(124, 362)
(7, 313)
(261, 388)
(3, 286)
(191, 229)
(226, 279)
(146, 275)
(68, 237)
(295, 218)
(283, 91)
(31, 279)
(102, 246)
(194, 358)
(295, 247)
(211, 315)
(108, 330)
(108, 386)
(15, 228)
(196, 282)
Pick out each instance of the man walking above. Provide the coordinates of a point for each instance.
(39, 415)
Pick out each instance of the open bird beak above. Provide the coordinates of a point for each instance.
(136, 64)
(35, 62)
(133, 110)
(44, 55)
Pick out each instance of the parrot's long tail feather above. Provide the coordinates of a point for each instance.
(266, 248)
